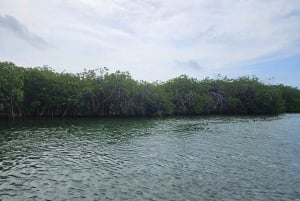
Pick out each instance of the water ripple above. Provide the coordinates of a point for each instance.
(208, 158)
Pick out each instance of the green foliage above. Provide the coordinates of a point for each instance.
(43, 92)
(11, 89)
(291, 98)
(185, 94)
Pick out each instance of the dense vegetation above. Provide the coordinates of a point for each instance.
(35, 92)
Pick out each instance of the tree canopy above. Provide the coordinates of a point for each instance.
(42, 92)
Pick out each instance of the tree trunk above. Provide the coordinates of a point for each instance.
(12, 113)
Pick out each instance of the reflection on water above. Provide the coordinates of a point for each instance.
(199, 158)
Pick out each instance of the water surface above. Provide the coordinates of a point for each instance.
(198, 158)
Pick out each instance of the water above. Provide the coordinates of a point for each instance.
(199, 158)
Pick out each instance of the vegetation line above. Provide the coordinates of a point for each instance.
(34, 92)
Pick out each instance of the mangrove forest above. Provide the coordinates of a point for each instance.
(42, 92)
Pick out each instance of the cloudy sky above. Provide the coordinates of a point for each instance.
(156, 39)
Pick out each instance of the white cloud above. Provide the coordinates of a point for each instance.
(145, 37)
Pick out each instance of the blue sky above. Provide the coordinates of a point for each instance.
(286, 70)
(156, 39)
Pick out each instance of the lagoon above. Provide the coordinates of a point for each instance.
(176, 158)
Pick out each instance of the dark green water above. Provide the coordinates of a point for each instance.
(203, 158)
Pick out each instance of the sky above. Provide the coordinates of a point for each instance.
(156, 39)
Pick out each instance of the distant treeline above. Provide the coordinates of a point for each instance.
(42, 92)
